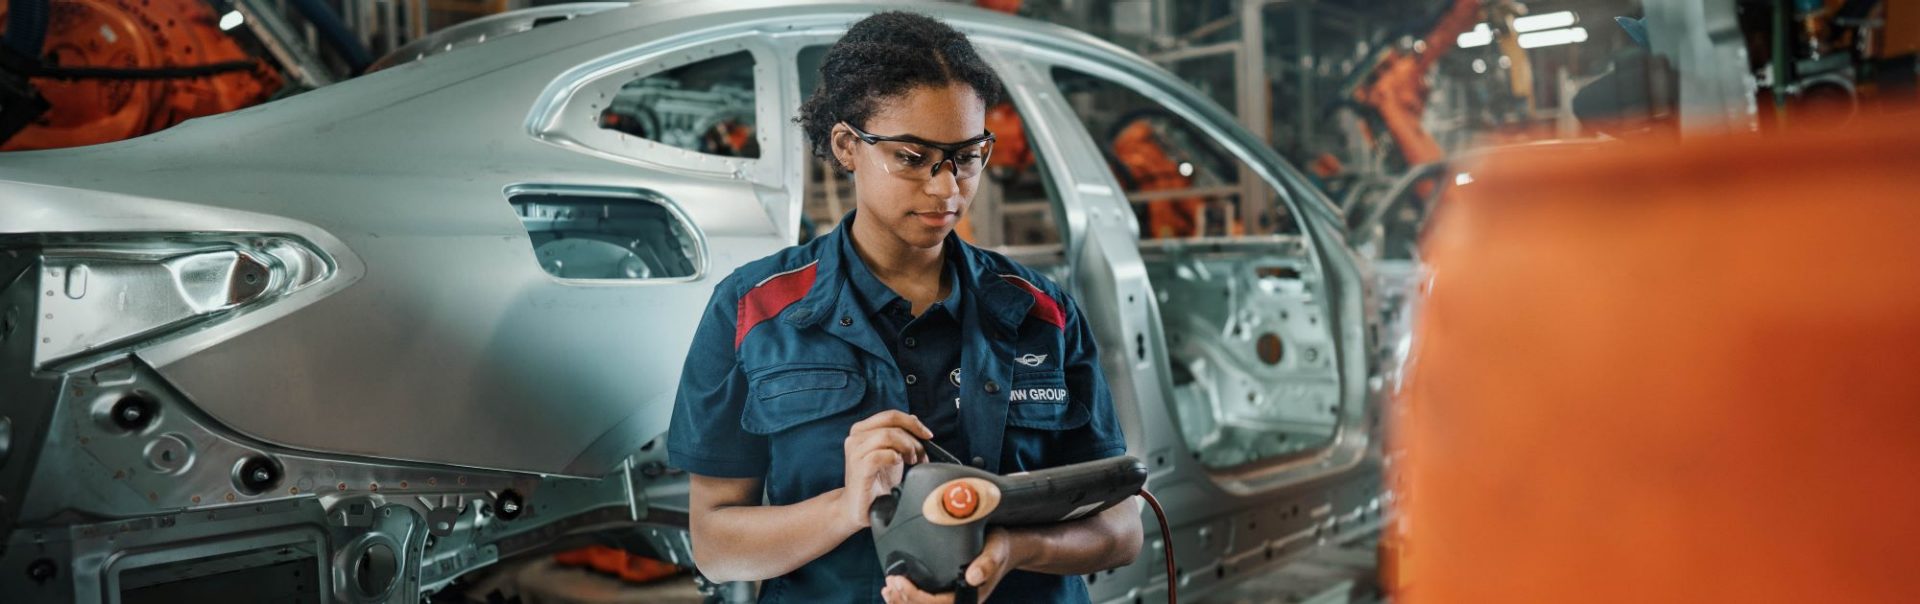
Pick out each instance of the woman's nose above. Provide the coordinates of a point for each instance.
(943, 184)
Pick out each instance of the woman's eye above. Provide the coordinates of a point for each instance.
(967, 158)
(909, 159)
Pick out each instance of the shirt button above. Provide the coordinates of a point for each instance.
(911, 379)
(911, 342)
(993, 387)
(846, 321)
(980, 462)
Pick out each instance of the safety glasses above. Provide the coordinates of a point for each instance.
(914, 158)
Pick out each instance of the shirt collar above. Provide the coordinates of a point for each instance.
(874, 295)
(987, 292)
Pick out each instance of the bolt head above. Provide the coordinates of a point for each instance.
(41, 570)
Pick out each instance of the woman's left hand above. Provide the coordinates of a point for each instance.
(995, 561)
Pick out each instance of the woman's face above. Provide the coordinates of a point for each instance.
(918, 212)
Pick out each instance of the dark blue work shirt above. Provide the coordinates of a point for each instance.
(925, 348)
(789, 355)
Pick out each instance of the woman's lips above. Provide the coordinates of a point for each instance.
(936, 219)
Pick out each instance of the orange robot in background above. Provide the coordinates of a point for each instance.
(1140, 152)
(1152, 169)
(129, 37)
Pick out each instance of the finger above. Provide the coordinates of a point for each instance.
(895, 591)
(890, 417)
(893, 439)
(987, 564)
(905, 591)
(913, 449)
(893, 419)
(886, 468)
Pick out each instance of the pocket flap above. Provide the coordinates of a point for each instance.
(784, 399)
(1039, 400)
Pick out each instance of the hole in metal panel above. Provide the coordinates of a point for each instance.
(375, 570)
(613, 237)
(705, 106)
(1269, 348)
(275, 574)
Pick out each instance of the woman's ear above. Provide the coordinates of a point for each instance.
(843, 141)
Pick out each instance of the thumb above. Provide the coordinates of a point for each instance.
(975, 574)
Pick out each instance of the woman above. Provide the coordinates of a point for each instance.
(817, 372)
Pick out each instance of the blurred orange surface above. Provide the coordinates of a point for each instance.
(1671, 374)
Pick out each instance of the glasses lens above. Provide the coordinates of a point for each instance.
(968, 162)
(916, 161)
(905, 159)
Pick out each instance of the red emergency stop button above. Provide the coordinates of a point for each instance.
(960, 500)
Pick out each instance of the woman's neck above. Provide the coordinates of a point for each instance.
(912, 272)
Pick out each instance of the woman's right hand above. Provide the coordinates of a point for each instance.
(878, 450)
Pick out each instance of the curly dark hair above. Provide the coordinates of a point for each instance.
(882, 57)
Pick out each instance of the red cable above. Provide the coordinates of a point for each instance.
(1166, 539)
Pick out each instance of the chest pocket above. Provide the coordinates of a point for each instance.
(1039, 400)
(789, 396)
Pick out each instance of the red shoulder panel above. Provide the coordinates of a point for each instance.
(1044, 306)
(771, 296)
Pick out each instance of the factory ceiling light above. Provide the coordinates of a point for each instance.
(1544, 21)
(1554, 37)
(1480, 36)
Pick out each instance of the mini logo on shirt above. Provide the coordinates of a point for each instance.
(1031, 359)
(955, 378)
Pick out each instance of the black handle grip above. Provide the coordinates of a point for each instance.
(1067, 492)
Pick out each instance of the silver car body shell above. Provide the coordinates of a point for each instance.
(438, 358)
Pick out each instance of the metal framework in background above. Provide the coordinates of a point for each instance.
(320, 42)
(1290, 60)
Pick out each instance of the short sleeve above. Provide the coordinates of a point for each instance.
(1100, 437)
(705, 436)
